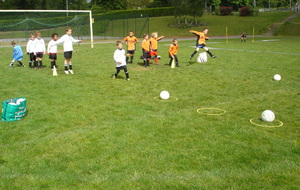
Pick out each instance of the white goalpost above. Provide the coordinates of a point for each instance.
(62, 11)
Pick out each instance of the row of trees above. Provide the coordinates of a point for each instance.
(130, 4)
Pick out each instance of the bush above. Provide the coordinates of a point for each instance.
(246, 11)
(225, 11)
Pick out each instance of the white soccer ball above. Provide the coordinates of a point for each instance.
(277, 77)
(202, 57)
(268, 116)
(164, 95)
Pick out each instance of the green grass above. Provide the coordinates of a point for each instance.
(88, 131)
(290, 28)
(217, 24)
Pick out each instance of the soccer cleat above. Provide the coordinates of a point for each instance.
(213, 56)
(128, 79)
(114, 76)
(71, 71)
(66, 72)
(36, 68)
(177, 66)
(191, 57)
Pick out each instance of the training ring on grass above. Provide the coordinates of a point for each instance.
(171, 99)
(217, 111)
(269, 126)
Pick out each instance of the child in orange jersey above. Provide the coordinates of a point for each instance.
(201, 37)
(154, 45)
(146, 50)
(173, 49)
(130, 41)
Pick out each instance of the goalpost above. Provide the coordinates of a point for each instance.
(60, 11)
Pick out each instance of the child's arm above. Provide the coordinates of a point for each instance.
(159, 38)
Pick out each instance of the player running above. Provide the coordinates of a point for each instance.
(201, 37)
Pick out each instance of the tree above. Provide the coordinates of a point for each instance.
(110, 4)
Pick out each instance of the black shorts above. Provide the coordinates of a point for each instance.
(122, 68)
(53, 56)
(130, 52)
(146, 54)
(68, 54)
(39, 55)
(32, 56)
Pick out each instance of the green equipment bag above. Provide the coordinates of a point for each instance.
(14, 109)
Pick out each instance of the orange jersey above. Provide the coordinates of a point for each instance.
(146, 45)
(173, 49)
(201, 37)
(130, 41)
(153, 42)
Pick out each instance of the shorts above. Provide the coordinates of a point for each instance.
(130, 52)
(39, 54)
(153, 52)
(122, 67)
(200, 46)
(32, 56)
(146, 54)
(68, 54)
(53, 56)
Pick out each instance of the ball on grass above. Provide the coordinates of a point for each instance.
(164, 95)
(277, 77)
(268, 116)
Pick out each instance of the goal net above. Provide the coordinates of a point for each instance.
(19, 24)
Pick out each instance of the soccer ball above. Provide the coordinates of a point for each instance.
(202, 57)
(164, 95)
(268, 116)
(277, 77)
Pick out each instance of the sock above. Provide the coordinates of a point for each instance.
(193, 53)
(131, 59)
(127, 59)
(156, 60)
(35, 64)
(52, 64)
(127, 74)
(209, 53)
(117, 72)
(30, 64)
(145, 62)
(41, 63)
(148, 62)
(70, 66)
(66, 67)
(20, 62)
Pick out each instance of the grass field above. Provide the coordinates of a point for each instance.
(89, 131)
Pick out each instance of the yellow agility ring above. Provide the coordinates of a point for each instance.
(211, 111)
(171, 99)
(280, 123)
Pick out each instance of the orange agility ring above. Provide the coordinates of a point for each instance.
(255, 122)
(211, 111)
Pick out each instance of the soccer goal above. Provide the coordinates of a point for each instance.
(19, 24)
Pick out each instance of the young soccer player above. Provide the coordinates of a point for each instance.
(173, 49)
(130, 41)
(39, 50)
(201, 37)
(30, 50)
(17, 54)
(154, 45)
(52, 50)
(243, 37)
(68, 41)
(146, 50)
(120, 59)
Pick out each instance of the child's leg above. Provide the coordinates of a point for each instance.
(131, 57)
(12, 63)
(66, 66)
(207, 50)
(156, 59)
(20, 62)
(197, 49)
(126, 72)
(171, 59)
(117, 72)
(176, 60)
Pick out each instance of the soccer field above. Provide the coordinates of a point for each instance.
(89, 131)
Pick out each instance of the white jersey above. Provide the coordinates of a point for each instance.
(52, 48)
(67, 41)
(30, 46)
(39, 45)
(119, 57)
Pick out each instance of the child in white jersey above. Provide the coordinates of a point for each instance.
(39, 50)
(30, 50)
(120, 59)
(52, 50)
(67, 41)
